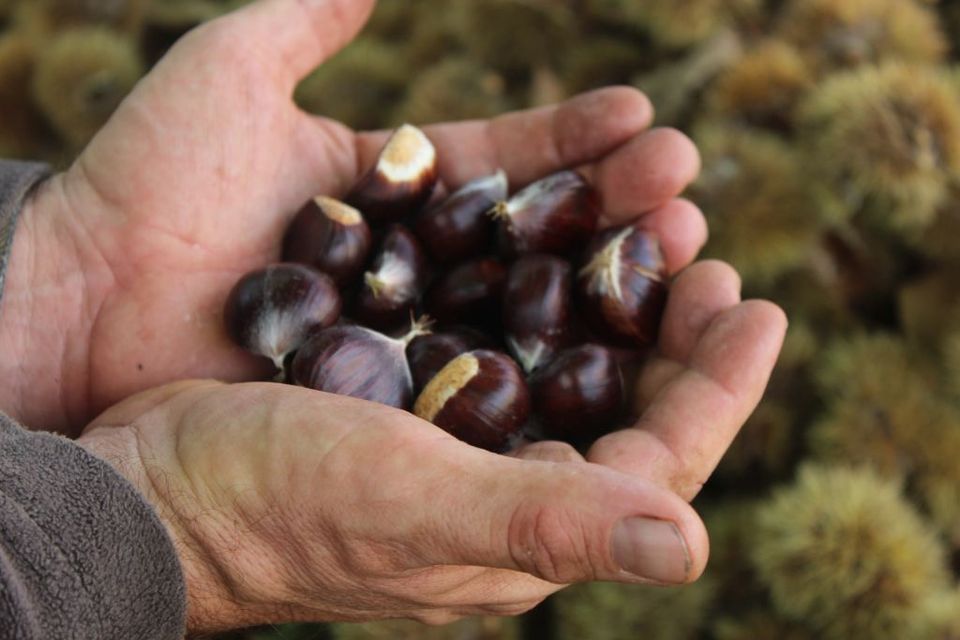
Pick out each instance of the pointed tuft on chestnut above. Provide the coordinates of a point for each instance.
(401, 181)
(430, 353)
(460, 227)
(470, 294)
(273, 311)
(480, 397)
(579, 396)
(552, 215)
(393, 286)
(362, 363)
(622, 289)
(331, 236)
(537, 309)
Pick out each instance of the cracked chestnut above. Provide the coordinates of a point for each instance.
(273, 311)
(402, 180)
(331, 236)
(480, 397)
(392, 288)
(622, 288)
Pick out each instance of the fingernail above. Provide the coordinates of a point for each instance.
(651, 549)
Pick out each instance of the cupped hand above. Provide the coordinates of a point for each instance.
(122, 263)
(287, 504)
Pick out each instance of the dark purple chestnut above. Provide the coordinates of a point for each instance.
(579, 395)
(401, 181)
(355, 361)
(430, 353)
(553, 215)
(469, 294)
(331, 236)
(271, 312)
(623, 287)
(537, 309)
(460, 227)
(394, 284)
(480, 397)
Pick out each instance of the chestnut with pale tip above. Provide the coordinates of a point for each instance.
(579, 396)
(552, 215)
(538, 314)
(362, 363)
(469, 294)
(430, 353)
(622, 289)
(460, 228)
(480, 398)
(331, 236)
(402, 180)
(273, 311)
(392, 288)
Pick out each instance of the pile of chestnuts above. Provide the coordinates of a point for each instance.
(533, 312)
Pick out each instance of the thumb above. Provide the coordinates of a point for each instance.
(295, 35)
(563, 522)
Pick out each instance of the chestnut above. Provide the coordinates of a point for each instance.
(623, 287)
(331, 236)
(401, 181)
(480, 397)
(393, 286)
(537, 309)
(579, 395)
(430, 353)
(470, 294)
(355, 361)
(552, 215)
(460, 227)
(272, 311)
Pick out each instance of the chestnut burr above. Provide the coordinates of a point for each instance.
(460, 228)
(470, 294)
(331, 236)
(552, 215)
(537, 309)
(401, 181)
(623, 287)
(579, 395)
(393, 286)
(272, 311)
(358, 362)
(480, 397)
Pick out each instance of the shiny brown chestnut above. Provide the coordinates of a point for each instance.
(480, 397)
(272, 311)
(538, 309)
(430, 353)
(393, 286)
(401, 181)
(552, 215)
(355, 361)
(460, 227)
(331, 236)
(622, 290)
(469, 294)
(579, 395)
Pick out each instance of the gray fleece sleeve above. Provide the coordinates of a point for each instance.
(82, 554)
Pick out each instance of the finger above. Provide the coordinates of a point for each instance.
(681, 228)
(531, 144)
(697, 296)
(293, 36)
(548, 451)
(561, 523)
(645, 173)
(691, 422)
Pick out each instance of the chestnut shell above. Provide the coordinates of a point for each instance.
(394, 283)
(622, 289)
(430, 353)
(469, 294)
(331, 236)
(579, 396)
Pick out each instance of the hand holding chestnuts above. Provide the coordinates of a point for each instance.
(503, 268)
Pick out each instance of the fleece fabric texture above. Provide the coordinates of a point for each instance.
(82, 554)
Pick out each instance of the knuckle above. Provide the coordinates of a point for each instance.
(550, 543)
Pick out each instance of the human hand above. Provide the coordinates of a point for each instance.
(122, 263)
(287, 504)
